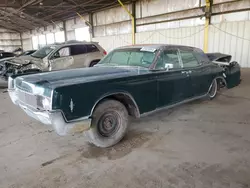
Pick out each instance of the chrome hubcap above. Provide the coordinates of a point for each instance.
(108, 124)
(213, 89)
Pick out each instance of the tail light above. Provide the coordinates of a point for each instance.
(104, 52)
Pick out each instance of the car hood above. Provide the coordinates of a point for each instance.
(76, 76)
(23, 60)
(5, 59)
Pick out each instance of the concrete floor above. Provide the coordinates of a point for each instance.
(200, 144)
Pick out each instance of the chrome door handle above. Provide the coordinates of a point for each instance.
(186, 72)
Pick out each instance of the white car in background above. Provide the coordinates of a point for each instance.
(72, 54)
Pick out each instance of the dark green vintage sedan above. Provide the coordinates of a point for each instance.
(129, 81)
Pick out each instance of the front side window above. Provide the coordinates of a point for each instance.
(63, 52)
(129, 57)
(168, 59)
(188, 59)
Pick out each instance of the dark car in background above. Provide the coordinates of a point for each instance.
(129, 81)
(6, 54)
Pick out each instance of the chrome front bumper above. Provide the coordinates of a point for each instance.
(55, 119)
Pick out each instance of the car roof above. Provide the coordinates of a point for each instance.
(156, 46)
(69, 43)
(72, 43)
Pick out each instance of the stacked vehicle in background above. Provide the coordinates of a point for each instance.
(231, 68)
(72, 54)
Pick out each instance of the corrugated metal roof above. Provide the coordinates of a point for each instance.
(22, 15)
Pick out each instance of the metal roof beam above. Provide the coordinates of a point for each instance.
(30, 2)
(16, 23)
(16, 19)
(33, 19)
(71, 9)
(10, 26)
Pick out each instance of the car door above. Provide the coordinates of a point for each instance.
(61, 59)
(173, 83)
(79, 53)
(198, 70)
(85, 54)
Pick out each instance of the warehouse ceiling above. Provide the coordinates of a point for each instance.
(23, 15)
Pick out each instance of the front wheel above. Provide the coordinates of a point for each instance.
(213, 89)
(109, 124)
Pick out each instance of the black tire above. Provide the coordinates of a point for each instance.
(213, 89)
(93, 63)
(109, 124)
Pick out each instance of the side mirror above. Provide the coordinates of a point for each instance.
(168, 66)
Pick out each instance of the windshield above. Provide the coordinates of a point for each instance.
(141, 57)
(26, 53)
(43, 52)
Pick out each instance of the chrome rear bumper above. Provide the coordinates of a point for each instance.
(55, 119)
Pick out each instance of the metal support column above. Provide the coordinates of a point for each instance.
(92, 31)
(132, 20)
(206, 29)
(134, 15)
(65, 31)
(21, 38)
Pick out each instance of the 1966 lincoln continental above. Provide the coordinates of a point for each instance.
(129, 81)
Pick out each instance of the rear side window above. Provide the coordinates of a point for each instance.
(201, 56)
(188, 59)
(91, 48)
(78, 49)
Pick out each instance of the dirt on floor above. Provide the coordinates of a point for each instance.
(200, 144)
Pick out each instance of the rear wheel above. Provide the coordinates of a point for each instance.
(213, 89)
(93, 63)
(109, 124)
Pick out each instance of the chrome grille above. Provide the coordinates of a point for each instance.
(26, 98)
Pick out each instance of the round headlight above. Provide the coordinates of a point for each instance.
(46, 103)
(43, 102)
(38, 90)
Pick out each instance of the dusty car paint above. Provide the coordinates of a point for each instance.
(148, 89)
